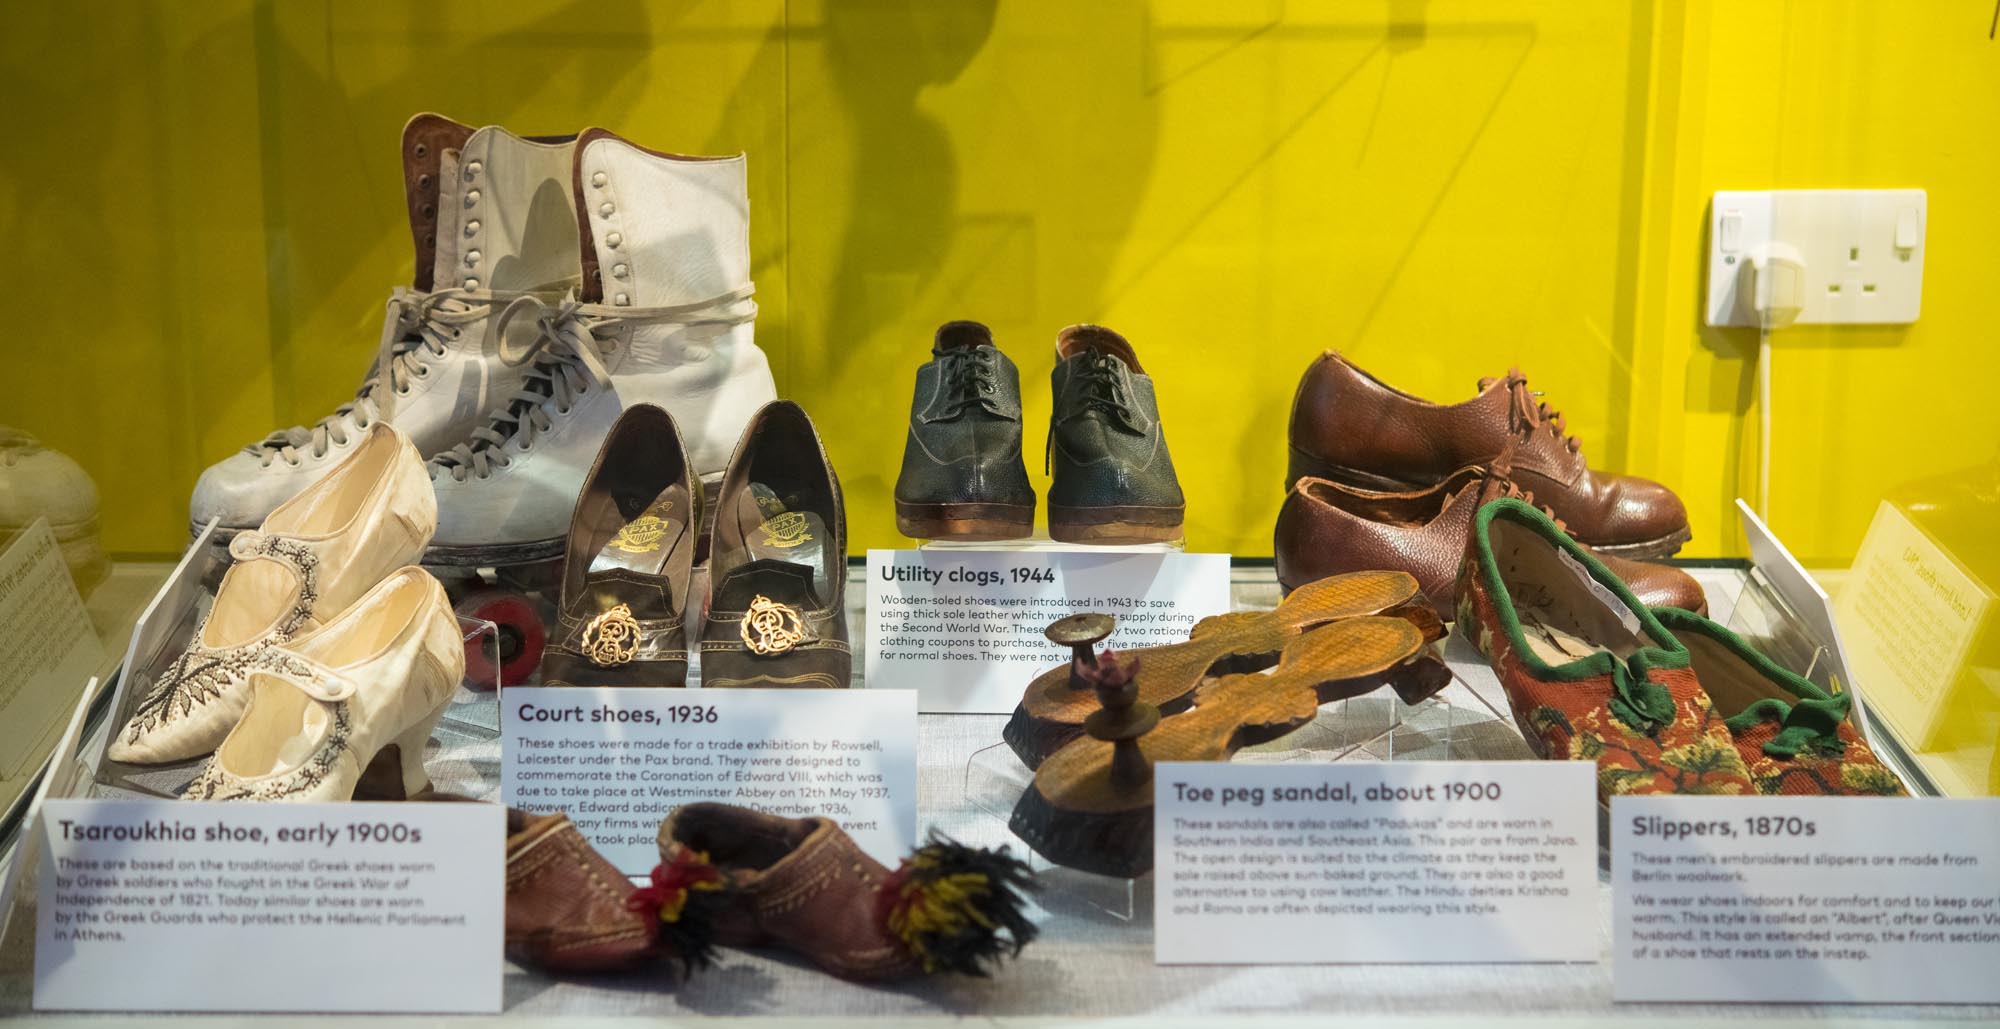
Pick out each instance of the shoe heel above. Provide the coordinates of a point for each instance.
(397, 770)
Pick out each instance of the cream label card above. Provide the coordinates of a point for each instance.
(618, 760)
(1826, 900)
(47, 648)
(1412, 862)
(964, 627)
(1909, 615)
(191, 906)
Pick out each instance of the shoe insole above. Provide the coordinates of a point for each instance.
(1565, 613)
(644, 543)
(781, 534)
(1553, 645)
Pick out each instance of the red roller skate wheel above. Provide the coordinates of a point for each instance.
(522, 636)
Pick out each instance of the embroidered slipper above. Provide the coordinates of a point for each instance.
(1590, 673)
(1795, 738)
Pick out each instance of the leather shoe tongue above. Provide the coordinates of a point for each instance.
(782, 581)
(1078, 339)
(1486, 382)
(961, 335)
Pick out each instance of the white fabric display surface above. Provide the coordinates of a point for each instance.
(1087, 962)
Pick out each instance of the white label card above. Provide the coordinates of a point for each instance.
(47, 650)
(964, 628)
(618, 760)
(1822, 899)
(1412, 862)
(189, 906)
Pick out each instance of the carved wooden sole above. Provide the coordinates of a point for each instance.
(1052, 711)
(1076, 814)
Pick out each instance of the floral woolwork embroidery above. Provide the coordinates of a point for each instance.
(770, 627)
(612, 638)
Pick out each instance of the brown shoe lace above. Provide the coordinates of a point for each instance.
(1499, 482)
(1528, 412)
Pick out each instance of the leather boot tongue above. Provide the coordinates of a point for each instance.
(426, 139)
(506, 214)
(1078, 339)
(782, 581)
(961, 336)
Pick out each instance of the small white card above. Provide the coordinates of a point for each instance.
(47, 650)
(964, 627)
(1822, 899)
(1417, 862)
(618, 760)
(191, 906)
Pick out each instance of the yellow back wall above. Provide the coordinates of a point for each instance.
(203, 210)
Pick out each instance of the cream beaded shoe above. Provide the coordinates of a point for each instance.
(356, 700)
(314, 556)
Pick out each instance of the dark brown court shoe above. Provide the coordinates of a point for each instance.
(778, 562)
(1326, 528)
(804, 885)
(1351, 428)
(621, 619)
(566, 905)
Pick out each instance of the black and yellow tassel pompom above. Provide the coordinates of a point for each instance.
(680, 903)
(958, 908)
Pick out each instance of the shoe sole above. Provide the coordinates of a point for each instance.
(1116, 525)
(223, 533)
(967, 523)
(1304, 465)
(494, 555)
(1650, 550)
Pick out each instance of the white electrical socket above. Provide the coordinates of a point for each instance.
(1862, 252)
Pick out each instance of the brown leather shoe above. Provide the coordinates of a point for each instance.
(629, 559)
(1349, 427)
(803, 884)
(567, 907)
(1325, 528)
(778, 562)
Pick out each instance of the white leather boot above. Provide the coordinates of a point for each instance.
(314, 557)
(664, 317)
(493, 219)
(36, 482)
(370, 684)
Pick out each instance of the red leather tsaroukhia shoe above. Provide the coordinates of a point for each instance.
(570, 910)
(803, 884)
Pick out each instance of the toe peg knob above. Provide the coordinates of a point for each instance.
(1081, 633)
(1121, 719)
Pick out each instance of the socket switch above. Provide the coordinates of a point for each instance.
(1861, 252)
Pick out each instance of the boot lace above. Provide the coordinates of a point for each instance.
(1527, 412)
(1101, 388)
(971, 379)
(568, 361)
(417, 326)
(1498, 483)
